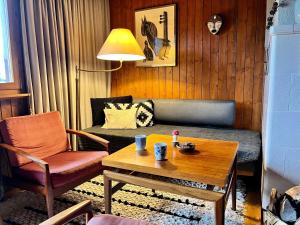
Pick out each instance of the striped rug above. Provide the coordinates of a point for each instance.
(131, 201)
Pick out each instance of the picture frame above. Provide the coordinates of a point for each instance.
(155, 31)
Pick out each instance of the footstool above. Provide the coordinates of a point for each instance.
(84, 208)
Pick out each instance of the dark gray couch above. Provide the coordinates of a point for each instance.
(193, 118)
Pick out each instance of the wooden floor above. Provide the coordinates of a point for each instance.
(253, 203)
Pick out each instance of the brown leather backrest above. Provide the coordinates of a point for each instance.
(41, 135)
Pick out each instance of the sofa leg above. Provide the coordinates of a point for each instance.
(49, 203)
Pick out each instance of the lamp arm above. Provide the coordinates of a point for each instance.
(95, 71)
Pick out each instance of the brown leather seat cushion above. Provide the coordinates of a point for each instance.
(64, 167)
(115, 220)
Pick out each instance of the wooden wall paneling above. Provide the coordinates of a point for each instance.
(259, 67)
(15, 107)
(214, 55)
(162, 82)
(6, 108)
(182, 41)
(222, 91)
(207, 11)
(190, 64)
(240, 58)
(231, 48)
(249, 62)
(198, 38)
(226, 66)
(169, 82)
(150, 84)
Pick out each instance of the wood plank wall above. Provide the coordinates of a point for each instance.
(226, 66)
(14, 106)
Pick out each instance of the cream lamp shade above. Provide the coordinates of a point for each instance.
(121, 45)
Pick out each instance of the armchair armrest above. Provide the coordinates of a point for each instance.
(95, 138)
(36, 160)
(71, 213)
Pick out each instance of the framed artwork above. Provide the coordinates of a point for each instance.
(155, 31)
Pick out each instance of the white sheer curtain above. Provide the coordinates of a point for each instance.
(57, 36)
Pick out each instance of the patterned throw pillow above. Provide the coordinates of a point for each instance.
(144, 115)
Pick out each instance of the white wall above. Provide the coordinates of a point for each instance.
(281, 120)
(286, 14)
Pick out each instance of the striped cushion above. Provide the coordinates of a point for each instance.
(144, 115)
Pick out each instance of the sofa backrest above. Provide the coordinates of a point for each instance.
(194, 112)
(41, 135)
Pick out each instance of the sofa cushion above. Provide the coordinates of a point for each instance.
(115, 220)
(64, 167)
(97, 105)
(249, 147)
(194, 112)
(145, 111)
(41, 135)
(120, 119)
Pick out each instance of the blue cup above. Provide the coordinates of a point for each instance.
(140, 142)
(160, 150)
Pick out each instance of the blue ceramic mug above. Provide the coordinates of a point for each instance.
(160, 150)
(140, 142)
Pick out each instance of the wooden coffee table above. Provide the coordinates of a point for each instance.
(213, 163)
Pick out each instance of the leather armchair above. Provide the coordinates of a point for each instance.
(84, 208)
(41, 159)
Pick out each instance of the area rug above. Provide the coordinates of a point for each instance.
(131, 201)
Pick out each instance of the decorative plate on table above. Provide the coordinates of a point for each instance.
(187, 146)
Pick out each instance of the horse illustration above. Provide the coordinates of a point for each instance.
(157, 45)
(149, 30)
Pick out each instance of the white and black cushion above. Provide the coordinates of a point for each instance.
(144, 115)
(98, 104)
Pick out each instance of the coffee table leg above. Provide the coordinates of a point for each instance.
(219, 212)
(107, 194)
(233, 189)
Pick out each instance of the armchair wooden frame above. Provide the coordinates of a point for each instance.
(71, 213)
(48, 190)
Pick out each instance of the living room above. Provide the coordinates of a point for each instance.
(149, 112)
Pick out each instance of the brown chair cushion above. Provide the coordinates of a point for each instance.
(115, 220)
(41, 135)
(64, 167)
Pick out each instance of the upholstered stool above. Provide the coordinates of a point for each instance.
(114, 220)
(84, 208)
